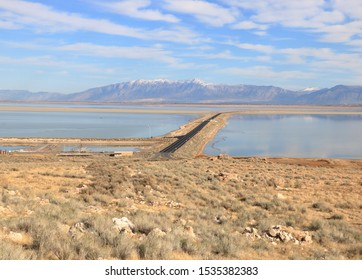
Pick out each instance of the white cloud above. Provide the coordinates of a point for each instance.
(337, 21)
(156, 53)
(342, 33)
(253, 47)
(246, 25)
(138, 9)
(42, 18)
(220, 55)
(4, 24)
(153, 53)
(351, 8)
(206, 12)
(52, 62)
(265, 72)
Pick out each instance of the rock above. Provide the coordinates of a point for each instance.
(273, 232)
(280, 196)
(307, 238)
(80, 227)
(251, 233)
(123, 224)
(15, 236)
(285, 236)
(248, 230)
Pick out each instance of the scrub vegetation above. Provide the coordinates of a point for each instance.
(102, 207)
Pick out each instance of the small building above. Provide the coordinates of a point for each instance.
(122, 154)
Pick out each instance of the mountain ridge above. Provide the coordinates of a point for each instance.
(196, 91)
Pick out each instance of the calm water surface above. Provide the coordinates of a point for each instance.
(88, 124)
(12, 148)
(308, 136)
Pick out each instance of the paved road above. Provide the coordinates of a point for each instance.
(184, 139)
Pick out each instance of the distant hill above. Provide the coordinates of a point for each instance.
(338, 95)
(192, 91)
(196, 91)
(24, 95)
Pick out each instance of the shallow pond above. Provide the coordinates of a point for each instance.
(303, 136)
(88, 124)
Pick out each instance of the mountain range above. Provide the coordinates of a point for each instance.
(196, 91)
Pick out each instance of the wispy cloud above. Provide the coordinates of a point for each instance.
(205, 12)
(311, 41)
(42, 18)
(337, 21)
(224, 55)
(247, 25)
(151, 53)
(138, 9)
(51, 62)
(253, 47)
(265, 72)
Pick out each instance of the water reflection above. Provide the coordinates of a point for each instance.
(12, 148)
(88, 124)
(309, 136)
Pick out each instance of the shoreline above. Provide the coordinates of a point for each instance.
(194, 148)
(227, 108)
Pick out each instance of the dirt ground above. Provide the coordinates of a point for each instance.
(201, 208)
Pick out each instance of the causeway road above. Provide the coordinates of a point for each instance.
(185, 138)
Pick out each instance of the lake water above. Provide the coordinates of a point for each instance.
(12, 148)
(88, 124)
(303, 136)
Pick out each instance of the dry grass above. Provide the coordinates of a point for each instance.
(181, 209)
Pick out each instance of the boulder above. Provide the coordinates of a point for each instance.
(15, 236)
(123, 224)
(287, 234)
(251, 233)
(273, 232)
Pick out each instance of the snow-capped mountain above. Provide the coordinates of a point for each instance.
(197, 91)
(310, 89)
(188, 91)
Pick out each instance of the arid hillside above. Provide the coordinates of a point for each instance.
(102, 207)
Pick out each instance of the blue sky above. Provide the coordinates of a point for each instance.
(69, 46)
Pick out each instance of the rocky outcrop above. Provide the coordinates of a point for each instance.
(279, 234)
